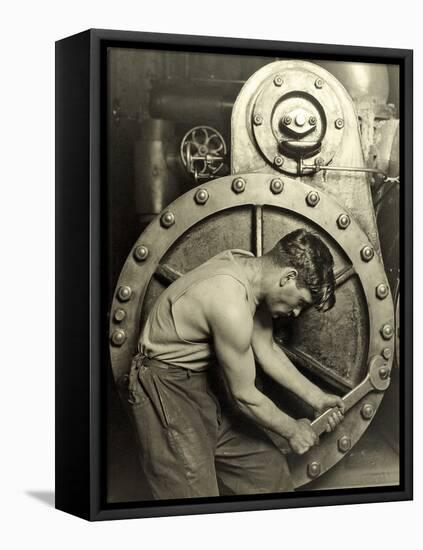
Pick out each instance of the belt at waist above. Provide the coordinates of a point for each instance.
(150, 362)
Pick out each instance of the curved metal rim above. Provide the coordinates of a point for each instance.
(158, 238)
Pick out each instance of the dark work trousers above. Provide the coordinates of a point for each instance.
(191, 446)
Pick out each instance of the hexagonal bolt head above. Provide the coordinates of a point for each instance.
(387, 353)
(201, 196)
(119, 315)
(318, 83)
(276, 186)
(313, 198)
(367, 253)
(287, 120)
(118, 337)
(141, 253)
(278, 161)
(124, 293)
(238, 185)
(258, 119)
(343, 221)
(314, 469)
(387, 331)
(312, 121)
(339, 123)
(278, 80)
(344, 444)
(382, 291)
(167, 219)
(367, 411)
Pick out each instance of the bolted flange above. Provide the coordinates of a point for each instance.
(312, 198)
(387, 353)
(382, 291)
(318, 83)
(258, 119)
(119, 315)
(276, 186)
(367, 411)
(339, 123)
(167, 219)
(141, 253)
(387, 331)
(118, 337)
(278, 80)
(344, 444)
(201, 196)
(343, 221)
(238, 185)
(367, 253)
(124, 293)
(314, 469)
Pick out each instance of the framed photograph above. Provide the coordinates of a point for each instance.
(234, 263)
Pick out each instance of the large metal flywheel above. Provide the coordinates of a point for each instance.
(348, 350)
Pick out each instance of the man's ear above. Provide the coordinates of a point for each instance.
(287, 274)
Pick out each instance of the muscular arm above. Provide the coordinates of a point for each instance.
(232, 326)
(277, 365)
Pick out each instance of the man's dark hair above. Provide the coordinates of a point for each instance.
(309, 255)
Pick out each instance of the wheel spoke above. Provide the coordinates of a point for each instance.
(258, 230)
(166, 274)
(344, 275)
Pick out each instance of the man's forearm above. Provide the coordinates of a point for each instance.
(278, 366)
(264, 412)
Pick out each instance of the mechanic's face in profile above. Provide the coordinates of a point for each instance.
(288, 300)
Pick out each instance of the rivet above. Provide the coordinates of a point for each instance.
(287, 120)
(278, 160)
(119, 315)
(343, 221)
(318, 83)
(383, 373)
(367, 253)
(141, 253)
(367, 411)
(278, 80)
(258, 119)
(387, 331)
(344, 444)
(312, 198)
(276, 186)
(387, 353)
(167, 219)
(314, 469)
(339, 123)
(382, 291)
(238, 185)
(124, 293)
(201, 196)
(312, 121)
(118, 337)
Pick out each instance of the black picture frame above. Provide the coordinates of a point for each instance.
(81, 316)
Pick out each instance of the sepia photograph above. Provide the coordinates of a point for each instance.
(252, 275)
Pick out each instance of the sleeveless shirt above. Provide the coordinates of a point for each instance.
(161, 338)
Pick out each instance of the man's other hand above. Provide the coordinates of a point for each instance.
(328, 401)
(303, 437)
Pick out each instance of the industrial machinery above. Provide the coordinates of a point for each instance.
(237, 164)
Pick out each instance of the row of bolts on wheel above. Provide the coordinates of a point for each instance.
(167, 219)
